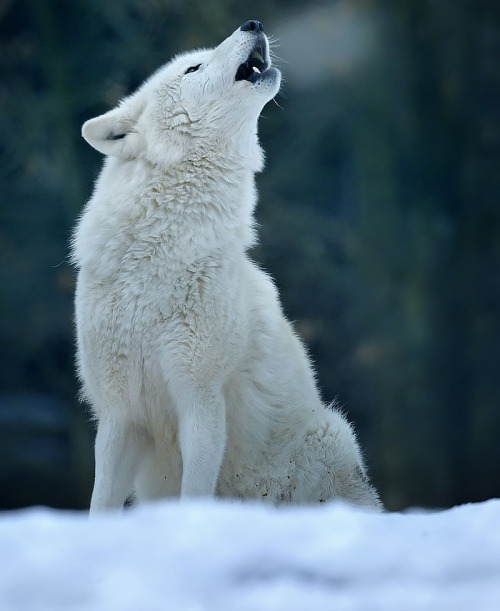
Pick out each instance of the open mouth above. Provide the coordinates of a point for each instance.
(252, 69)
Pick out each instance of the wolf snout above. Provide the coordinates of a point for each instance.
(252, 26)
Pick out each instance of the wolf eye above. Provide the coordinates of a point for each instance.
(192, 69)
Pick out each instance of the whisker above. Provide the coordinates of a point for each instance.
(278, 105)
(275, 57)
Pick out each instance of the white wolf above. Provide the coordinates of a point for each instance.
(197, 381)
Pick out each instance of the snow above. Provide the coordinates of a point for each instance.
(215, 555)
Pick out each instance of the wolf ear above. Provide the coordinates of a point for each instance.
(115, 133)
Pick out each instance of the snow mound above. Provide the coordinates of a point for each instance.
(216, 555)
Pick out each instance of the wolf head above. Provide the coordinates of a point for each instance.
(200, 100)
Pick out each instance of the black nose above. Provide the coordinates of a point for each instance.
(252, 26)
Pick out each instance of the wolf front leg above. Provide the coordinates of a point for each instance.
(119, 449)
(202, 436)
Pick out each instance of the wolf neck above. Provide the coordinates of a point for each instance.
(207, 202)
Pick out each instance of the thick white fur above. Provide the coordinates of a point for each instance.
(198, 382)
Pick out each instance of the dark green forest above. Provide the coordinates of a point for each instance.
(379, 218)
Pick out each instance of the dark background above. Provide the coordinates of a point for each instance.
(379, 213)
